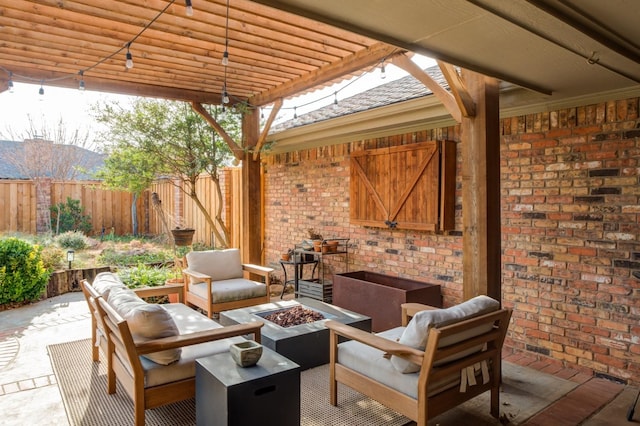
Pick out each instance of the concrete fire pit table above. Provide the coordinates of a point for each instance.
(306, 344)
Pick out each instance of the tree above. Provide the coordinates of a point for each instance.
(128, 169)
(180, 142)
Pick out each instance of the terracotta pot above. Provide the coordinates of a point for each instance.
(286, 256)
(317, 245)
(333, 246)
(183, 237)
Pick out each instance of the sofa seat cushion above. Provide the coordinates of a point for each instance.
(218, 264)
(187, 321)
(372, 363)
(146, 321)
(105, 281)
(417, 331)
(230, 290)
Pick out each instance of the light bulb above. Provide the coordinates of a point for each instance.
(189, 10)
(335, 100)
(81, 85)
(41, 91)
(10, 84)
(383, 74)
(129, 63)
(225, 58)
(225, 97)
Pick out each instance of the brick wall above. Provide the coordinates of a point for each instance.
(570, 217)
(570, 235)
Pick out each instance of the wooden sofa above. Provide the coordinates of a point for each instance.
(460, 359)
(216, 281)
(155, 371)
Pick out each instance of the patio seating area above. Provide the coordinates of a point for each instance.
(28, 379)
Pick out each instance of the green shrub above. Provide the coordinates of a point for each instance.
(23, 276)
(128, 258)
(74, 240)
(144, 276)
(69, 217)
(52, 257)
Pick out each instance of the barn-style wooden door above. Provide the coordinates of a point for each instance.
(408, 186)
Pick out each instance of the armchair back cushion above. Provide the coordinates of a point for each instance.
(147, 321)
(105, 281)
(218, 264)
(417, 331)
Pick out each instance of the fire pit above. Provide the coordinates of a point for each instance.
(289, 317)
(307, 343)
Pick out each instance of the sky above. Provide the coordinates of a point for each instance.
(73, 106)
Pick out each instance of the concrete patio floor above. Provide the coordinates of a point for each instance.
(28, 385)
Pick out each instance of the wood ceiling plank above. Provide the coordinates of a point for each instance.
(124, 87)
(358, 61)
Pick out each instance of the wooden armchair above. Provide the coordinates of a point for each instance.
(460, 360)
(216, 280)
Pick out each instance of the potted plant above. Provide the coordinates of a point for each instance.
(316, 238)
(183, 236)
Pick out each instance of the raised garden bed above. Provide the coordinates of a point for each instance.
(379, 296)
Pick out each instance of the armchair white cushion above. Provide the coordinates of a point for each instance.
(221, 265)
(147, 321)
(417, 331)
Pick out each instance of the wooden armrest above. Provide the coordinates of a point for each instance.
(257, 269)
(369, 339)
(195, 274)
(198, 337)
(161, 290)
(410, 309)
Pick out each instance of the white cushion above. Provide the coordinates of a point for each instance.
(188, 321)
(146, 321)
(105, 281)
(371, 362)
(218, 264)
(230, 290)
(417, 331)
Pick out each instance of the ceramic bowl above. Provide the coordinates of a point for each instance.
(246, 354)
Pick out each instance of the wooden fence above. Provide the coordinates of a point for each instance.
(111, 210)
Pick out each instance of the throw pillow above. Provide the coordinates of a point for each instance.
(417, 331)
(147, 321)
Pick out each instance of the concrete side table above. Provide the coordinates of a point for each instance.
(267, 393)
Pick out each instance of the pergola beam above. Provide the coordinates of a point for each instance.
(267, 127)
(349, 65)
(447, 99)
(238, 152)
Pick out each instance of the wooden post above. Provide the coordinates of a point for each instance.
(252, 199)
(481, 190)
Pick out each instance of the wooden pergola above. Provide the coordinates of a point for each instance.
(276, 49)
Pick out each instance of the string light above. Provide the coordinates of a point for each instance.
(129, 57)
(81, 84)
(335, 100)
(225, 97)
(129, 63)
(189, 10)
(383, 73)
(10, 82)
(295, 113)
(225, 55)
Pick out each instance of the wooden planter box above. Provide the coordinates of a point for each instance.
(379, 296)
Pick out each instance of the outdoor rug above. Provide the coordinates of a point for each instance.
(83, 385)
